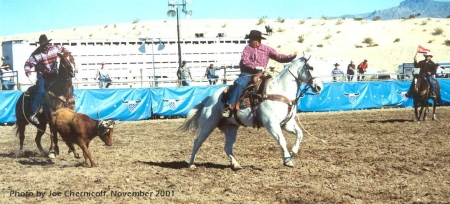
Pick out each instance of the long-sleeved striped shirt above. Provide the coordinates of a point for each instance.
(259, 56)
(44, 60)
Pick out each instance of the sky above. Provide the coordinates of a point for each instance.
(25, 16)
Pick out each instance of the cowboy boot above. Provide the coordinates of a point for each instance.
(226, 113)
(34, 119)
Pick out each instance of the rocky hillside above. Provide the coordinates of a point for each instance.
(426, 8)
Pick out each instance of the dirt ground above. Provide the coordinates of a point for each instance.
(369, 156)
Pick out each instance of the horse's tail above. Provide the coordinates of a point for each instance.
(20, 114)
(191, 123)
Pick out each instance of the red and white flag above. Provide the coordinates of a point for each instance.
(421, 49)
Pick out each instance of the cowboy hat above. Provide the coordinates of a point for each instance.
(254, 34)
(336, 64)
(43, 40)
(428, 54)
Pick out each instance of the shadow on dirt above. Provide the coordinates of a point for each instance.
(390, 121)
(184, 164)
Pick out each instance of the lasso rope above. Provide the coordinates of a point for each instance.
(319, 139)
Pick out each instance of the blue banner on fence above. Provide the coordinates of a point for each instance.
(138, 104)
(178, 101)
(8, 100)
(117, 104)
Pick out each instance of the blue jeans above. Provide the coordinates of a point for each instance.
(239, 85)
(105, 80)
(212, 79)
(185, 82)
(431, 81)
(40, 83)
(8, 85)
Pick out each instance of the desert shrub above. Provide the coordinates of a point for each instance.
(447, 42)
(301, 38)
(411, 16)
(280, 30)
(323, 18)
(327, 37)
(74, 29)
(424, 23)
(339, 22)
(90, 35)
(224, 25)
(301, 22)
(136, 21)
(376, 18)
(280, 20)
(308, 18)
(438, 31)
(357, 19)
(134, 27)
(448, 16)
(397, 40)
(115, 26)
(372, 45)
(308, 49)
(358, 46)
(367, 40)
(319, 45)
(431, 41)
(338, 31)
(261, 20)
(279, 46)
(106, 26)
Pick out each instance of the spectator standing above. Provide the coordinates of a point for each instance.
(184, 74)
(362, 70)
(210, 74)
(336, 72)
(350, 71)
(7, 77)
(439, 71)
(103, 76)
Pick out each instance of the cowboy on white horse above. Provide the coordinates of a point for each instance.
(254, 60)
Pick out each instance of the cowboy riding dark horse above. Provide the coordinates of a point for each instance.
(53, 89)
(425, 86)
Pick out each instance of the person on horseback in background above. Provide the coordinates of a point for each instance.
(427, 70)
(44, 60)
(254, 60)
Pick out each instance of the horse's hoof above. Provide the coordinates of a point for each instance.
(192, 167)
(51, 155)
(236, 167)
(289, 164)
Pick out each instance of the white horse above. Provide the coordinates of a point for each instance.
(275, 115)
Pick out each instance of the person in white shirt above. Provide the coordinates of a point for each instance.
(7, 77)
(103, 77)
(439, 71)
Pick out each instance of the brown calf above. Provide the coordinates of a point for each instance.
(80, 129)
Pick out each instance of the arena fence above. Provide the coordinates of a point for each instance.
(146, 103)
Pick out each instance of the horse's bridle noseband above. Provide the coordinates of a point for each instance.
(302, 93)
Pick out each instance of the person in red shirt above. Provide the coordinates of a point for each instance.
(254, 60)
(43, 59)
(362, 69)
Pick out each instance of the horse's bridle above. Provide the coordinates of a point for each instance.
(302, 93)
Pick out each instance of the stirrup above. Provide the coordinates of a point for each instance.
(34, 119)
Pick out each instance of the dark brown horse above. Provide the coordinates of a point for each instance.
(59, 94)
(421, 96)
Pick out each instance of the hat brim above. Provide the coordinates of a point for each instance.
(44, 43)
(253, 37)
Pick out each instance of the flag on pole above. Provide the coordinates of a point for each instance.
(421, 49)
